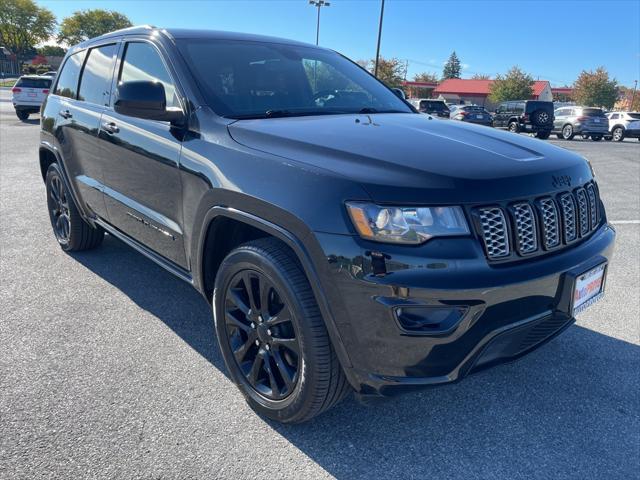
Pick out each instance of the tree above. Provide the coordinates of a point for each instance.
(627, 101)
(23, 24)
(481, 76)
(51, 51)
(452, 68)
(426, 77)
(515, 85)
(596, 89)
(390, 70)
(86, 24)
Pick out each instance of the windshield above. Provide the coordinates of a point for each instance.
(243, 79)
(27, 82)
(592, 112)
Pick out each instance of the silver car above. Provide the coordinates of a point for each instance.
(590, 122)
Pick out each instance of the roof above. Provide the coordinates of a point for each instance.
(189, 33)
(478, 87)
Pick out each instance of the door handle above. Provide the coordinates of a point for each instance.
(65, 114)
(110, 127)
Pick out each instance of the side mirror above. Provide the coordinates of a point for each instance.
(144, 99)
(400, 93)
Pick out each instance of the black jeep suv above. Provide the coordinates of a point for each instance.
(344, 241)
(532, 116)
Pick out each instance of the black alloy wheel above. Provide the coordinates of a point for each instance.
(59, 213)
(261, 334)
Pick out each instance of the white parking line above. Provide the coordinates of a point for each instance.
(625, 222)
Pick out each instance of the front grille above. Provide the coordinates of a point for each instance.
(528, 227)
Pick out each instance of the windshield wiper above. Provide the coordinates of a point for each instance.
(375, 110)
(284, 113)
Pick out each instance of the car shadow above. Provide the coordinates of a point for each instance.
(568, 410)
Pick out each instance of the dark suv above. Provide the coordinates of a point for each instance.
(344, 241)
(437, 108)
(531, 116)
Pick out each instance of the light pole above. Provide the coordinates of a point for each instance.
(375, 68)
(318, 4)
(633, 96)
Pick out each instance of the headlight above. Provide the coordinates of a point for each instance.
(412, 225)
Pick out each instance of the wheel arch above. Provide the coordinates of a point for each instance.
(247, 226)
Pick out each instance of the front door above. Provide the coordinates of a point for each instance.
(143, 192)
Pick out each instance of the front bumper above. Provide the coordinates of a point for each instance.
(508, 310)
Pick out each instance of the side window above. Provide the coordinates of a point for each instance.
(67, 85)
(95, 82)
(614, 116)
(501, 108)
(142, 62)
(561, 112)
(520, 107)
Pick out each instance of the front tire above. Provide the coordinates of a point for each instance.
(23, 115)
(567, 132)
(272, 336)
(70, 229)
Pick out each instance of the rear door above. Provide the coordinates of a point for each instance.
(143, 190)
(81, 93)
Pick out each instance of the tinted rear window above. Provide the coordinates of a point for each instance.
(96, 75)
(592, 112)
(34, 83)
(532, 106)
(439, 106)
(473, 109)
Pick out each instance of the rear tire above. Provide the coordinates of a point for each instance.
(617, 134)
(71, 231)
(22, 115)
(514, 127)
(567, 132)
(257, 286)
(543, 135)
(596, 138)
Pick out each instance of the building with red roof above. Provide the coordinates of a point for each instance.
(469, 91)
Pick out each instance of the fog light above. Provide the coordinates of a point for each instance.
(426, 320)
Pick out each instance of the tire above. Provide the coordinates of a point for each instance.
(70, 229)
(265, 351)
(541, 118)
(543, 135)
(567, 132)
(513, 127)
(596, 138)
(617, 134)
(22, 115)
(559, 135)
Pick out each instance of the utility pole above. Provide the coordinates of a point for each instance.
(633, 96)
(318, 4)
(375, 69)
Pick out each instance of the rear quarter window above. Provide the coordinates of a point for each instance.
(34, 83)
(67, 85)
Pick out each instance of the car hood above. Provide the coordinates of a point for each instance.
(416, 159)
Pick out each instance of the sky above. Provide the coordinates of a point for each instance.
(551, 40)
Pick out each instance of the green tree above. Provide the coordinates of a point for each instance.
(452, 69)
(23, 25)
(481, 76)
(86, 24)
(426, 77)
(51, 51)
(515, 85)
(390, 70)
(595, 89)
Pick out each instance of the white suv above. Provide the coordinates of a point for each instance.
(623, 125)
(28, 94)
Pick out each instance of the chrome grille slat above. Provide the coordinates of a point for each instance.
(583, 211)
(568, 208)
(525, 228)
(494, 230)
(547, 222)
(593, 206)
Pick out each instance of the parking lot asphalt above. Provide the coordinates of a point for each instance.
(109, 368)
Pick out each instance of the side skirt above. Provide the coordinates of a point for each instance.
(179, 272)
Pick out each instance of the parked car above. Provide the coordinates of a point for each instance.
(52, 73)
(623, 125)
(589, 122)
(471, 114)
(531, 116)
(437, 108)
(28, 93)
(344, 241)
